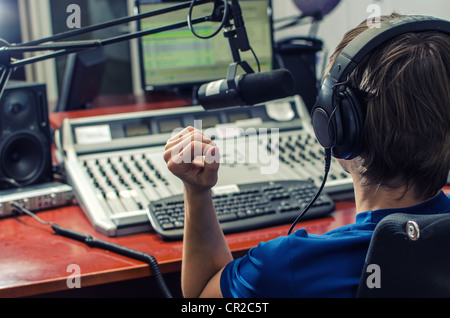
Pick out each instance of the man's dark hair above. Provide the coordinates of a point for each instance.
(406, 82)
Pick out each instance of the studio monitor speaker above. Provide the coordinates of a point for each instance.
(25, 139)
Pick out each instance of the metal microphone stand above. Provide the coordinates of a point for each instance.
(220, 13)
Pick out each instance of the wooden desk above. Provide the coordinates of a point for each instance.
(34, 261)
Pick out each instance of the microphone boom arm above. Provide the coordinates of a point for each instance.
(8, 64)
(238, 41)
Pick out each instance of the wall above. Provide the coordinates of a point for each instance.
(349, 13)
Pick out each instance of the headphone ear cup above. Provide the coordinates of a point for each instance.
(321, 115)
(349, 126)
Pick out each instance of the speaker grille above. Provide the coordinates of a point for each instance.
(18, 109)
(23, 158)
(25, 153)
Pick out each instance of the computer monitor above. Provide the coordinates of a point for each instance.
(177, 60)
(82, 79)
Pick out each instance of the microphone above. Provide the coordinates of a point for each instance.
(246, 90)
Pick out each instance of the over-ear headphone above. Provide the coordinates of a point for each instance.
(338, 116)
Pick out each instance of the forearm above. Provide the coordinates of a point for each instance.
(195, 159)
(205, 250)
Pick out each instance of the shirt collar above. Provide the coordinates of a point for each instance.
(439, 204)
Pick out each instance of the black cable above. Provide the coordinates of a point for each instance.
(92, 242)
(222, 24)
(224, 21)
(256, 59)
(319, 191)
(10, 181)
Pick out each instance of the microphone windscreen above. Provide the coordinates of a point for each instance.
(256, 88)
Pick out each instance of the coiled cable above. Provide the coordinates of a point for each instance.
(96, 243)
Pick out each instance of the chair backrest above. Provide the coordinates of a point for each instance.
(408, 256)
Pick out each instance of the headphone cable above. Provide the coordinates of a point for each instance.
(319, 191)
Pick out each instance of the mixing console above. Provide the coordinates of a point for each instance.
(115, 166)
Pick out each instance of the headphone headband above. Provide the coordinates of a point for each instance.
(372, 38)
(337, 116)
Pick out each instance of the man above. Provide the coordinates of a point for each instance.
(402, 168)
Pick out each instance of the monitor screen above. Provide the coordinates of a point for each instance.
(178, 59)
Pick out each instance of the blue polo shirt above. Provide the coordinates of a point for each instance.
(309, 265)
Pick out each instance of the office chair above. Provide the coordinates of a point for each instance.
(413, 255)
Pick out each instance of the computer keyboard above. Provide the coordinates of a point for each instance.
(245, 207)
